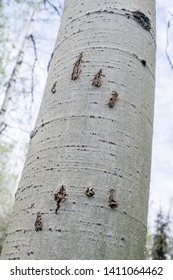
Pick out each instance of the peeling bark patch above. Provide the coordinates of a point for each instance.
(53, 90)
(90, 192)
(60, 197)
(112, 202)
(142, 19)
(38, 222)
(113, 99)
(77, 68)
(97, 81)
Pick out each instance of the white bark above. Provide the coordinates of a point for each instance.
(7, 102)
(79, 141)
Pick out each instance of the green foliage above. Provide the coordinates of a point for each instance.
(6, 183)
(160, 247)
(3, 230)
(3, 37)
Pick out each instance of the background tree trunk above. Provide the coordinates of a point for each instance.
(8, 99)
(79, 141)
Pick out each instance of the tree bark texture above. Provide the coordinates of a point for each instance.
(93, 133)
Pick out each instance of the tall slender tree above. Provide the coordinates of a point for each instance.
(85, 184)
(7, 102)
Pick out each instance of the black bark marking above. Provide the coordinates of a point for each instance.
(123, 239)
(143, 62)
(142, 19)
(49, 62)
(30, 253)
(53, 90)
(33, 132)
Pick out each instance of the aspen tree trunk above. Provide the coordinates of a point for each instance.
(7, 102)
(80, 141)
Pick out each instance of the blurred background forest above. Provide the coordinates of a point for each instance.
(28, 30)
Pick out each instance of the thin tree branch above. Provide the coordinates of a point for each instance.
(167, 42)
(52, 6)
(2, 127)
(33, 66)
